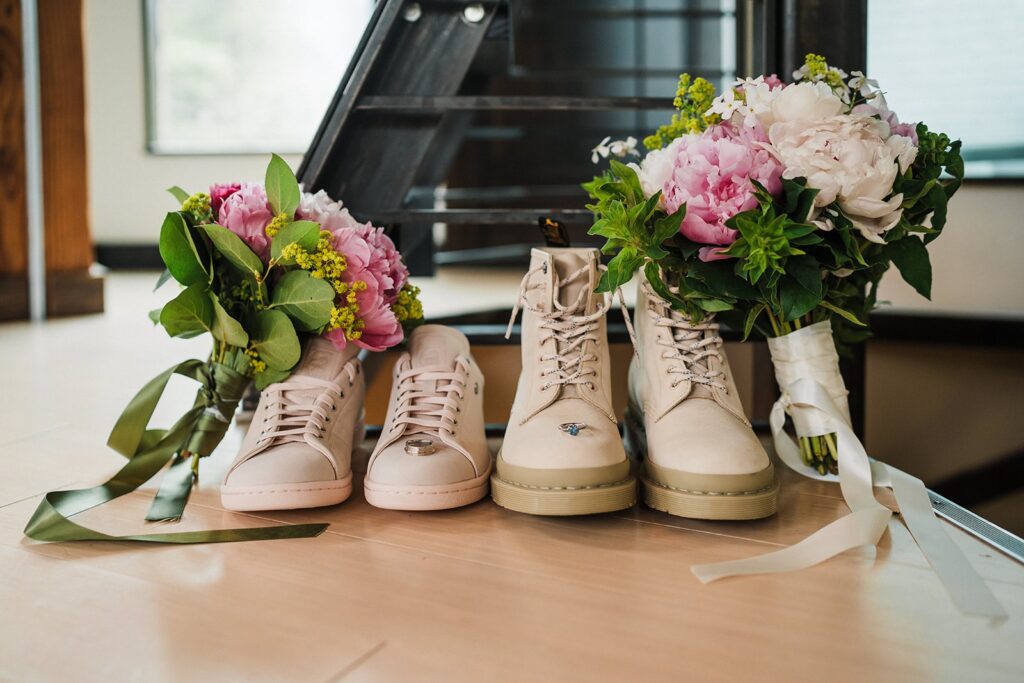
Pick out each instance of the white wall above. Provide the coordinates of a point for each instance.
(977, 262)
(127, 201)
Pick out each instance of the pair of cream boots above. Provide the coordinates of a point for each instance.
(562, 453)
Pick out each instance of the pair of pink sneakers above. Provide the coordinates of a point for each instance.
(307, 432)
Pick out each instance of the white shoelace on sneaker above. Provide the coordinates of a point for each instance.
(691, 345)
(292, 417)
(428, 399)
(569, 327)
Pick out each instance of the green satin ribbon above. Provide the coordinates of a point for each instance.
(148, 450)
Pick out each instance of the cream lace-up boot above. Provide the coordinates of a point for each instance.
(432, 454)
(298, 450)
(562, 454)
(703, 460)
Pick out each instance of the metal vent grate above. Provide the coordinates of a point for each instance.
(1000, 539)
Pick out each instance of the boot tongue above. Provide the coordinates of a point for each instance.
(696, 388)
(566, 263)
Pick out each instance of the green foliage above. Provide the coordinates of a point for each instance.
(273, 338)
(303, 233)
(178, 194)
(225, 328)
(189, 314)
(282, 187)
(179, 252)
(635, 227)
(231, 247)
(910, 256)
(305, 299)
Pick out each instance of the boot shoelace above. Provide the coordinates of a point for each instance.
(423, 409)
(569, 327)
(292, 416)
(691, 345)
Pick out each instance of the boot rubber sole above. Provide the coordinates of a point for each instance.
(419, 497)
(296, 496)
(563, 502)
(710, 505)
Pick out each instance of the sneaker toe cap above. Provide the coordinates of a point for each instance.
(285, 464)
(394, 467)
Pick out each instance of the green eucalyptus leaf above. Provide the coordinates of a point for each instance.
(179, 252)
(178, 194)
(264, 379)
(282, 187)
(305, 299)
(189, 314)
(154, 315)
(226, 328)
(231, 247)
(273, 338)
(911, 258)
(304, 233)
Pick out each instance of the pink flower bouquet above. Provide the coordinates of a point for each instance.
(779, 206)
(260, 266)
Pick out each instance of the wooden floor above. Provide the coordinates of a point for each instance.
(472, 594)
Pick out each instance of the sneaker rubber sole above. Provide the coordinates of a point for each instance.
(296, 496)
(419, 497)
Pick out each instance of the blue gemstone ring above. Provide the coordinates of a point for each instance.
(572, 428)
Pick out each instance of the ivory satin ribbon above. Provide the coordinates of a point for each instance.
(806, 367)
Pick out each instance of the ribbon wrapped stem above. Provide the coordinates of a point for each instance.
(814, 397)
(196, 433)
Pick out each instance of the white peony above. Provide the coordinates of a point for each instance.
(756, 102)
(847, 158)
(656, 168)
(802, 102)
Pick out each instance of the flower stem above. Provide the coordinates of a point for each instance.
(773, 321)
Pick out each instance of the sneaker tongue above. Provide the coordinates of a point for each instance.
(322, 360)
(436, 345)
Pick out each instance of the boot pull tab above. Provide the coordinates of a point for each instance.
(554, 232)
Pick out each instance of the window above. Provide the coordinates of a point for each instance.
(245, 76)
(957, 66)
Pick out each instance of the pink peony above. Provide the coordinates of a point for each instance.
(773, 81)
(247, 213)
(220, 192)
(711, 175)
(385, 262)
(373, 249)
(319, 207)
(382, 329)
